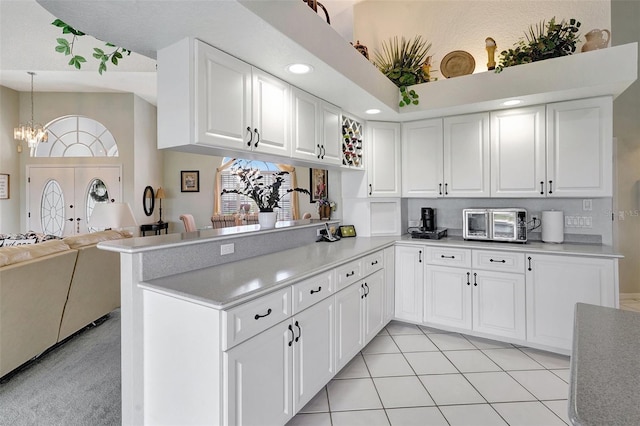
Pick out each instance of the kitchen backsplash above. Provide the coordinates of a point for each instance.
(449, 214)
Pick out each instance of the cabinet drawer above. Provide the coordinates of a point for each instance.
(308, 292)
(251, 318)
(449, 256)
(498, 261)
(348, 274)
(372, 263)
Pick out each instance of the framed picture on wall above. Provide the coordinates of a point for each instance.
(4, 186)
(318, 184)
(190, 181)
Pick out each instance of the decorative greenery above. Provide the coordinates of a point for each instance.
(66, 46)
(266, 196)
(402, 63)
(544, 41)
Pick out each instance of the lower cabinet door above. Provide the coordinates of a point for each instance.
(349, 338)
(499, 304)
(313, 351)
(374, 320)
(447, 296)
(555, 284)
(257, 378)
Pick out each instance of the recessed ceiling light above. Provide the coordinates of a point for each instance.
(299, 68)
(512, 102)
(373, 111)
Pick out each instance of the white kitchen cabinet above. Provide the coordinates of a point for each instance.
(409, 282)
(349, 333)
(271, 376)
(518, 161)
(383, 159)
(316, 130)
(313, 351)
(580, 148)
(466, 156)
(447, 296)
(422, 158)
(389, 276)
(484, 299)
(373, 309)
(209, 98)
(258, 378)
(360, 310)
(554, 284)
(499, 304)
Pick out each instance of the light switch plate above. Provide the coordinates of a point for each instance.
(227, 249)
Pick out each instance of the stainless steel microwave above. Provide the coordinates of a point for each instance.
(508, 225)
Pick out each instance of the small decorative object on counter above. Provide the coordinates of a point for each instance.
(325, 207)
(361, 48)
(595, 40)
(491, 46)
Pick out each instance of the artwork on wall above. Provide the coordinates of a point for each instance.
(4, 187)
(190, 181)
(318, 185)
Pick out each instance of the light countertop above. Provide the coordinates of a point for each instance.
(605, 367)
(225, 285)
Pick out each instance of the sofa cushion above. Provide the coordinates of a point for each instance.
(82, 240)
(16, 254)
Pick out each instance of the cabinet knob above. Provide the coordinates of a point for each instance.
(319, 152)
(292, 335)
(529, 259)
(316, 291)
(299, 332)
(475, 279)
(439, 189)
(541, 187)
(498, 261)
(468, 278)
(370, 189)
(550, 187)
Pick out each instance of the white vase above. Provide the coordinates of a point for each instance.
(267, 220)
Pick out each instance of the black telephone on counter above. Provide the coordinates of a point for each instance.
(328, 236)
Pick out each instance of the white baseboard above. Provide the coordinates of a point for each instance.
(628, 296)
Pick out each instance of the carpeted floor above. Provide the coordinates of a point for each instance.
(74, 384)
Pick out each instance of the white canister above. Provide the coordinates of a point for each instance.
(552, 226)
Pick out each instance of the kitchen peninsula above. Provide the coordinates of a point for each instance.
(206, 342)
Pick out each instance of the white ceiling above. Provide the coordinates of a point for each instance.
(28, 40)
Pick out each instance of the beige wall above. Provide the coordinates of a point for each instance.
(465, 24)
(9, 160)
(625, 18)
(200, 204)
(131, 120)
(149, 164)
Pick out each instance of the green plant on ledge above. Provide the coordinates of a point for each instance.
(65, 46)
(544, 41)
(252, 185)
(402, 64)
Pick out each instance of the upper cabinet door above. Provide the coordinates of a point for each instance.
(270, 114)
(518, 152)
(422, 158)
(222, 98)
(383, 159)
(466, 156)
(580, 148)
(305, 129)
(331, 134)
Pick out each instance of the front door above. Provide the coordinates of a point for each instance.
(60, 199)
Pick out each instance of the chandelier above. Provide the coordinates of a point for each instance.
(31, 132)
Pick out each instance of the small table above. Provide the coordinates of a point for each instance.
(155, 227)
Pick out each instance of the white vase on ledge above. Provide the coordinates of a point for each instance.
(267, 220)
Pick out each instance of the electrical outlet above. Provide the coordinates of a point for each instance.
(587, 205)
(227, 249)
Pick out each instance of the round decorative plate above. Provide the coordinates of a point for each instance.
(457, 63)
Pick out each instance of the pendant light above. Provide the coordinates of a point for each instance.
(31, 132)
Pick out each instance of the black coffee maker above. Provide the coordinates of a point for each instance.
(427, 219)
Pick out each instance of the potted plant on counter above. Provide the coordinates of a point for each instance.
(265, 195)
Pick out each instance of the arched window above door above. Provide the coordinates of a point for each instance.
(77, 136)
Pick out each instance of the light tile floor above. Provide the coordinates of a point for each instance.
(412, 375)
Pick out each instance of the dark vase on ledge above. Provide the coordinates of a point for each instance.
(325, 212)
